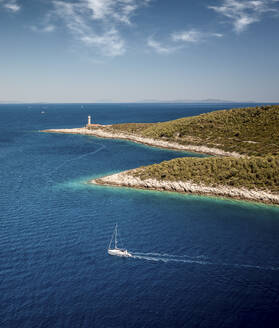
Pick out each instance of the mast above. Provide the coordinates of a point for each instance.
(115, 236)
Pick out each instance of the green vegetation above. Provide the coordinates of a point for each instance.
(260, 173)
(252, 132)
(135, 128)
(249, 131)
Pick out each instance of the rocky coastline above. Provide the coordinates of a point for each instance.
(127, 179)
(105, 132)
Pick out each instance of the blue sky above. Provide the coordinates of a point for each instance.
(137, 50)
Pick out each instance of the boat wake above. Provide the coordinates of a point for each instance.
(77, 158)
(48, 175)
(164, 257)
(201, 259)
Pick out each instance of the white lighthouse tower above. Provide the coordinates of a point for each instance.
(89, 120)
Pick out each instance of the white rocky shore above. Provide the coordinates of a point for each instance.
(105, 132)
(127, 179)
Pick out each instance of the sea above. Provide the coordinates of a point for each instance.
(197, 261)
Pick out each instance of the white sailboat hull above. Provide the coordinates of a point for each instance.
(119, 252)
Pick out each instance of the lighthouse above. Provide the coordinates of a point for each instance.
(89, 125)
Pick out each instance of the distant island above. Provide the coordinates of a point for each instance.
(194, 101)
(244, 142)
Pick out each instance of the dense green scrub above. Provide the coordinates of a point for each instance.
(135, 128)
(250, 131)
(250, 172)
(253, 132)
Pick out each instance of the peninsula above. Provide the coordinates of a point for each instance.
(245, 142)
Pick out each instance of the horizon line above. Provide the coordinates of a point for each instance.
(216, 101)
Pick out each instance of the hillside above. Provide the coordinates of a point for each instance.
(245, 140)
(256, 173)
(248, 131)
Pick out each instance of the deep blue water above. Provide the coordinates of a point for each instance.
(199, 262)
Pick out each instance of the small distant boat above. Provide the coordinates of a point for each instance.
(42, 112)
(117, 251)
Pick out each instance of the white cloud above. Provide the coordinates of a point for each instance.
(242, 13)
(193, 36)
(187, 36)
(218, 35)
(110, 42)
(11, 5)
(159, 48)
(47, 29)
(177, 40)
(96, 23)
(118, 10)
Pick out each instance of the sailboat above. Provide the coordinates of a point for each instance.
(117, 251)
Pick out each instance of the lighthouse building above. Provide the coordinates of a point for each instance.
(89, 123)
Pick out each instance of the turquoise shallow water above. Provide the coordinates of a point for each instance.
(198, 261)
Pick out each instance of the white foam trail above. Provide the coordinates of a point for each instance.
(167, 259)
(160, 254)
(166, 255)
(158, 257)
(250, 266)
(79, 157)
(48, 175)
